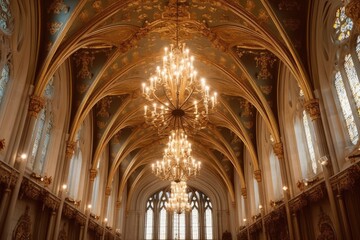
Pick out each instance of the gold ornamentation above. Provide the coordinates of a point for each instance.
(250, 5)
(104, 106)
(70, 149)
(265, 61)
(174, 10)
(84, 59)
(100, 124)
(275, 204)
(22, 229)
(41, 179)
(257, 175)
(50, 201)
(36, 104)
(313, 109)
(279, 150)
(304, 183)
(132, 42)
(266, 89)
(73, 201)
(247, 108)
(97, 5)
(352, 10)
(58, 6)
(263, 17)
(69, 211)
(54, 27)
(93, 173)
(216, 41)
(2, 144)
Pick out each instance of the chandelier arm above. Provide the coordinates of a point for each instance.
(187, 98)
(161, 102)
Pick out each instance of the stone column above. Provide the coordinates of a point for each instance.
(296, 227)
(313, 108)
(106, 202)
(5, 201)
(62, 194)
(344, 217)
(36, 104)
(279, 152)
(49, 234)
(116, 215)
(93, 173)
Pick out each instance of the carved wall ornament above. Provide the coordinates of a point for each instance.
(352, 10)
(265, 61)
(69, 211)
(250, 5)
(50, 201)
(6, 18)
(36, 104)
(266, 89)
(58, 6)
(22, 229)
(247, 108)
(104, 106)
(54, 27)
(45, 180)
(132, 42)
(176, 10)
(313, 109)
(257, 175)
(70, 149)
(73, 201)
(93, 173)
(108, 191)
(278, 150)
(2, 144)
(84, 60)
(325, 227)
(62, 233)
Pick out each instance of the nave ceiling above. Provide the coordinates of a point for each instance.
(114, 46)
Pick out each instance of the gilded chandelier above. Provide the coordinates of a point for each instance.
(179, 199)
(177, 164)
(177, 96)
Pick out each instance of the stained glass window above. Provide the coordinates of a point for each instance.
(346, 109)
(4, 78)
(309, 142)
(353, 80)
(342, 25)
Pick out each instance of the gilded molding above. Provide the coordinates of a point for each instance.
(312, 107)
(352, 10)
(257, 175)
(36, 104)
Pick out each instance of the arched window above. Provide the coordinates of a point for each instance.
(42, 132)
(346, 78)
(309, 142)
(4, 78)
(178, 226)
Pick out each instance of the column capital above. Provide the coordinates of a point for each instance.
(243, 192)
(107, 191)
(312, 107)
(70, 149)
(36, 104)
(93, 173)
(352, 10)
(118, 204)
(257, 175)
(279, 150)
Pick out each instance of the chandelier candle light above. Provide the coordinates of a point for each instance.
(177, 164)
(179, 199)
(178, 98)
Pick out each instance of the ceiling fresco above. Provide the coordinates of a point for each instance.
(114, 46)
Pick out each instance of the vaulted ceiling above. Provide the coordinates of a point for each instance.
(113, 46)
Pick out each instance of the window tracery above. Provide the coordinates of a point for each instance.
(183, 225)
(342, 24)
(353, 80)
(4, 78)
